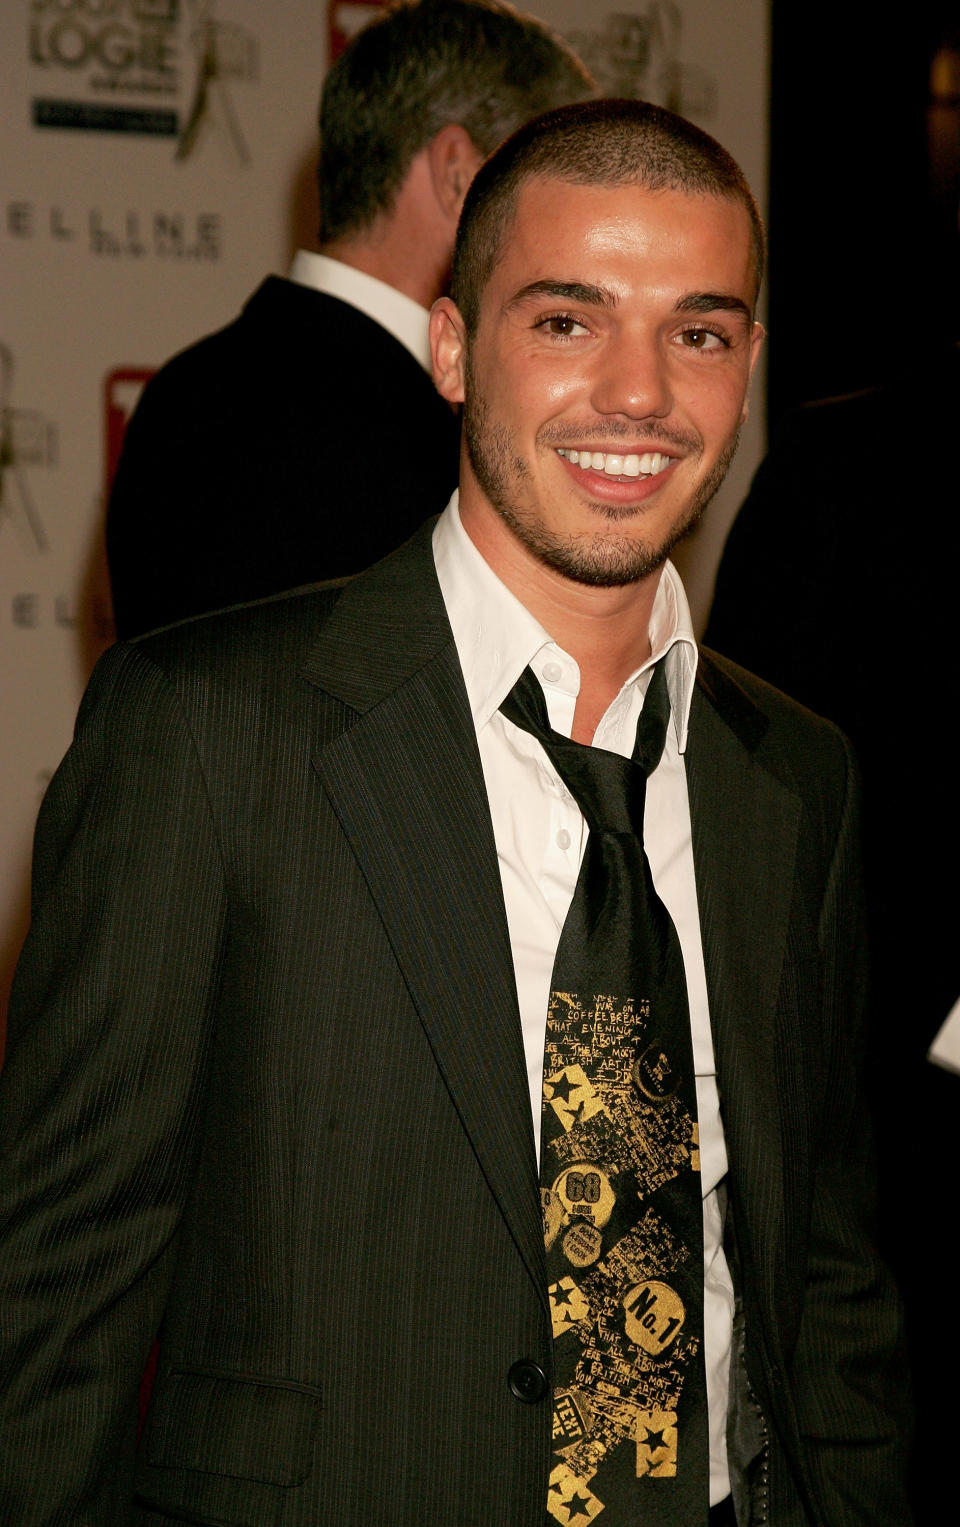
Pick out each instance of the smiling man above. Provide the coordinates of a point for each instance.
(440, 1016)
(633, 374)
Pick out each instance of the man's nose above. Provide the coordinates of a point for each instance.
(633, 379)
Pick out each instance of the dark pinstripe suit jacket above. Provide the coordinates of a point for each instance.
(266, 1093)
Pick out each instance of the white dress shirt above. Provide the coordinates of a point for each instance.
(394, 311)
(540, 836)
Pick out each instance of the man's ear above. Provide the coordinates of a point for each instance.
(453, 163)
(448, 347)
(756, 345)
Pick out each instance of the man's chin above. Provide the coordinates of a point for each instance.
(605, 568)
(600, 560)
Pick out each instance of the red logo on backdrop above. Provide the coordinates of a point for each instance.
(121, 392)
(345, 19)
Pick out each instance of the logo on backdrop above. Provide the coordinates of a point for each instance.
(224, 53)
(28, 439)
(132, 233)
(640, 54)
(121, 394)
(156, 68)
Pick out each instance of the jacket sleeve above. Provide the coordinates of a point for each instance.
(101, 1098)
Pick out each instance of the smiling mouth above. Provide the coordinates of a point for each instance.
(613, 464)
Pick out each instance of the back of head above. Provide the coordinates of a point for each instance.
(422, 65)
(607, 142)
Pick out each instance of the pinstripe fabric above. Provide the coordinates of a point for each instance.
(263, 1044)
(781, 911)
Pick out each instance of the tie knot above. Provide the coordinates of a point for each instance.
(610, 790)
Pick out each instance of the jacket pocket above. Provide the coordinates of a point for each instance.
(236, 1427)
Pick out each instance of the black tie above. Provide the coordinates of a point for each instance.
(620, 1162)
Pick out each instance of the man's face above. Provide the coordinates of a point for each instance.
(606, 383)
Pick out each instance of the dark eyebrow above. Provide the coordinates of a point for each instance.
(567, 291)
(713, 302)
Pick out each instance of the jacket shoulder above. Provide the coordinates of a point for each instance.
(262, 323)
(792, 740)
(245, 643)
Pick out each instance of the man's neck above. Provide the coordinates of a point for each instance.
(605, 630)
(388, 264)
(410, 246)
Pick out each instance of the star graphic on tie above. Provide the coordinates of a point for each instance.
(563, 1088)
(577, 1506)
(561, 1295)
(576, 1109)
(654, 1440)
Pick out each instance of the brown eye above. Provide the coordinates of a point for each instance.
(701, 339)
(562, 325)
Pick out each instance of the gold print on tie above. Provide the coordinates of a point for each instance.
(552, 1216)
(600, 1039)
(582, 1244)
(615, 1131)
(567, 1305)
(629, 1357)
(657, 1444)
(654, 1315)
(654, 1075)
(572, 1096)
(615, 1101)
(582, 1200)
(569, 1499)
(569, 1420)
(619, 1159)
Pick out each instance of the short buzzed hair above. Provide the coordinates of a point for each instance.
(604, 143)
(420, 66)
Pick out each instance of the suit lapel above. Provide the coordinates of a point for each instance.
(405, 780)
(745, 823)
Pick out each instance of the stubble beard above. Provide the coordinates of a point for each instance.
(600, 559)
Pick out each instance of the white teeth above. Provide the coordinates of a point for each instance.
(614, 465)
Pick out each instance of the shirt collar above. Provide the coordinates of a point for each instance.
(496, 636)
(405, 319)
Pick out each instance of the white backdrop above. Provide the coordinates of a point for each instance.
(157, 164)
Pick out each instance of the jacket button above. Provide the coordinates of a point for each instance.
(527, 1381)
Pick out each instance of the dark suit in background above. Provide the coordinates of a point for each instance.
(266, 1092)
(838, 584)
(241, 444)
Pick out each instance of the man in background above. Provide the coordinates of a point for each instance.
(318, 396)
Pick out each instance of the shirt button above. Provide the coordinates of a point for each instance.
(563, 839)
(552, 672)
